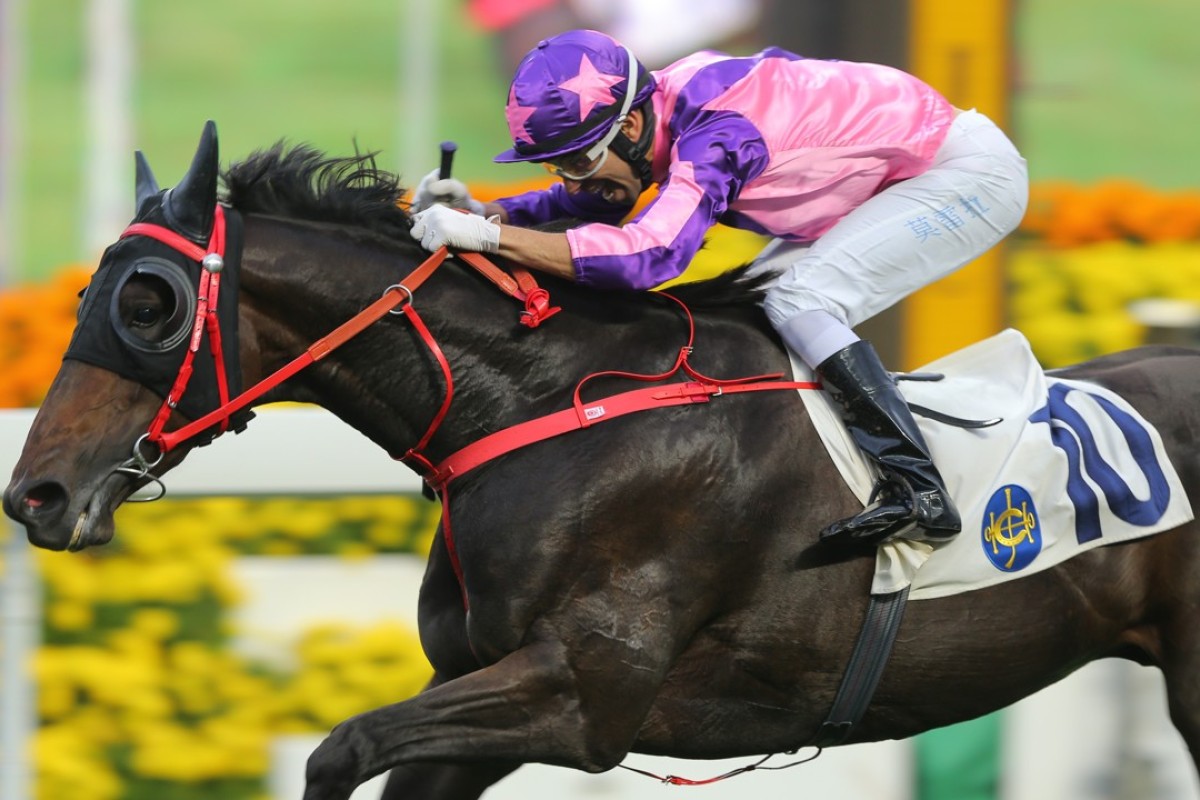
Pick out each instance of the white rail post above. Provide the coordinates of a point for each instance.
(108, 170)
(12, 76)
(20, 633)
(418, 98)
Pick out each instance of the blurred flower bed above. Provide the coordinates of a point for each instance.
(1073, 304)
(1083, 255)
(139, 694)
(1070, 215)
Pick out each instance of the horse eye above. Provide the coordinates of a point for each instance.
(145, 317)
(152, 306)
(147, 302)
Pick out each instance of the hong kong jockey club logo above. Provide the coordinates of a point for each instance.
(1011, 537)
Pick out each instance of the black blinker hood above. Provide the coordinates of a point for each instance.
(98, 338)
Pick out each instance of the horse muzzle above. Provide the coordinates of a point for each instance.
(52, 521)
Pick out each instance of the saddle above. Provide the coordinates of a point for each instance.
(1061, 466)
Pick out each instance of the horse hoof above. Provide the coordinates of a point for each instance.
(328, 768)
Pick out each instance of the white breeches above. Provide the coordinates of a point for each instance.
(906, 237)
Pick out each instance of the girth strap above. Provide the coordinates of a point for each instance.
(865, 667)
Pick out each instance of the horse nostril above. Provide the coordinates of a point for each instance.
(40, 503)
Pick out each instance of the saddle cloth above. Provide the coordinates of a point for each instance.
(1071, 466)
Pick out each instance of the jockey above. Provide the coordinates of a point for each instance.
(871, 184)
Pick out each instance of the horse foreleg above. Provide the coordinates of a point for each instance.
(444, 781)
(527, 707)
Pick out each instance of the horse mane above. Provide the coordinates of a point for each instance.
(300, 182)
(735, 287)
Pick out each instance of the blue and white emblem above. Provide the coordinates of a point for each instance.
(1011, 538)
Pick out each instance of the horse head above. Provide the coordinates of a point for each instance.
(137, 323)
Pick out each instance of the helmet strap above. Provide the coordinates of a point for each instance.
(635, 153)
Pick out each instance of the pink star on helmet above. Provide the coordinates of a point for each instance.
(517, 115)
(592, 86)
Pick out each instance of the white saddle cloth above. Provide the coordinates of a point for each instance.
(1071, 466)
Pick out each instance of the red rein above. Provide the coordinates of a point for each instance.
(537, 308)
(522, 287)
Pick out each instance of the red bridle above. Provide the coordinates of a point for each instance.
(212, 261)
(520, 286)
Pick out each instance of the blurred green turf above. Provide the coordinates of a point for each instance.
(1105, 87)
(1108, 88)
(305, 71)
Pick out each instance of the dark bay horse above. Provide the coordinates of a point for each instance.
(652, 584)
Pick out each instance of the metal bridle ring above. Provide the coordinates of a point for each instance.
(138, 468)
(406, 302)
(154, 480)
(140, 460)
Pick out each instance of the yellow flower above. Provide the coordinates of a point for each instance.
(386, 535)
(1058, 338)
(282, 547)
(67, 615)
(158, 624)
(55, 700)
(118, 580)
(170, 581)
(356, 551)
(71, 576)
(69, 765)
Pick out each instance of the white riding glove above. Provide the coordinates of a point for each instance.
(439, 225)
(433, 190)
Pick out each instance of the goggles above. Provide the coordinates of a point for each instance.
(576, 166)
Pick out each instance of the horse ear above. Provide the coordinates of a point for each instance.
(147, 186)
(191, 204)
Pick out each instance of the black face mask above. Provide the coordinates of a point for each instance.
(102, 339)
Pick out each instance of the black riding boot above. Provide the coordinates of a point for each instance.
(911, 498)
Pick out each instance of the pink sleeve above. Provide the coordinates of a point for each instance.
(710, 165)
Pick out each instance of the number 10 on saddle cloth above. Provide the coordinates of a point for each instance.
(1071, 466)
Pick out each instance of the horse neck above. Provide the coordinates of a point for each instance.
(300, 280)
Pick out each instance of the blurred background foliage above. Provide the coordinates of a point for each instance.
(140, 695)
(1100, 106)
(1100, 91)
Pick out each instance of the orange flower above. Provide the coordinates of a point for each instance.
(1067, 215)
(36, 322)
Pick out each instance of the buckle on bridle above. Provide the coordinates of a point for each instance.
(138, 466)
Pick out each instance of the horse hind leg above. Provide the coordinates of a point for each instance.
(1180, 667)
(1183, 700)
(444, 781)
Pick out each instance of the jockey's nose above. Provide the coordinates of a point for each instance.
(572, 187)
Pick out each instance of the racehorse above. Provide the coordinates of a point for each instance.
(654, 583)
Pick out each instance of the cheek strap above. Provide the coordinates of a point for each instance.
(636, 154)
